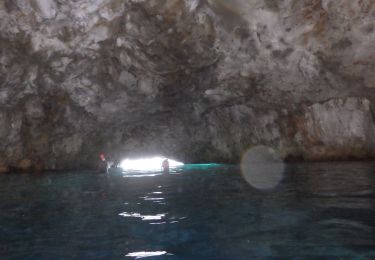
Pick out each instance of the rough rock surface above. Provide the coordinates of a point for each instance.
(196, 80)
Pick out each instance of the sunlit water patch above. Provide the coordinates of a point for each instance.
(314, 211)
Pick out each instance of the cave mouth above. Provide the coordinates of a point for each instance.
(147, 164)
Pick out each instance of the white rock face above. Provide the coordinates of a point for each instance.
(342, 125)
(46, 8)
(190, 79)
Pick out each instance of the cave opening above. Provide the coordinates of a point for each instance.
(147, 164)
(218, 124)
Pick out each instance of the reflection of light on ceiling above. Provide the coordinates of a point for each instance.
(149, 164)
(139, 255)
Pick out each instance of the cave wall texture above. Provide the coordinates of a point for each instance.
(196, 80)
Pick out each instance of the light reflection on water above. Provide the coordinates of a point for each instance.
(139, 255)
(143, 217)
(148, 198)
(200, 212)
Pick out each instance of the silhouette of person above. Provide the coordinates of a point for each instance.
(165, 166)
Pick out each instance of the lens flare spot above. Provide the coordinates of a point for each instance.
(262, 167)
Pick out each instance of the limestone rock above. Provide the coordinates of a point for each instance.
(46, 8)
(191, 79)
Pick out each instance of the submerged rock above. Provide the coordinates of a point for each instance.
(193, 80)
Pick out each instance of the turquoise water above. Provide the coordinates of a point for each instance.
(318, 211)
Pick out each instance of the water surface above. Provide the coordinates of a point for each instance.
(319, 210)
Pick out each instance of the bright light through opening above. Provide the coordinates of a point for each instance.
(150, 164)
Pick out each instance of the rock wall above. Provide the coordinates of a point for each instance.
(196, 80)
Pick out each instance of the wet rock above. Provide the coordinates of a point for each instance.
(4, 168)
(25, 165)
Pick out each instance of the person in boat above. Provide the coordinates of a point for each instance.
(116, 163)
(165, 166)
(103, 163)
